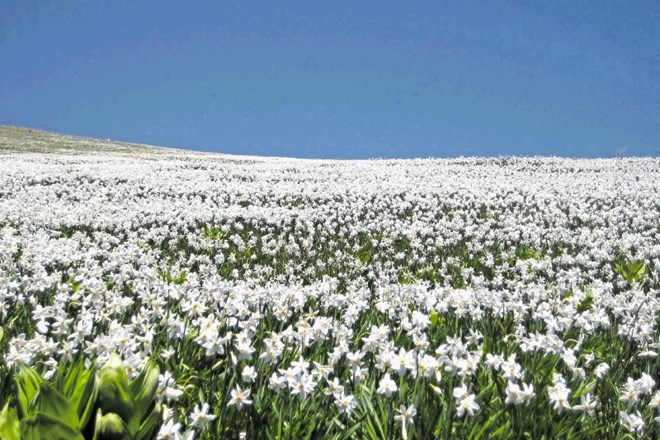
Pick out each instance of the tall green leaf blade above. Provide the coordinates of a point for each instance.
(9, 427)
(27, 384)
(373, 420)
(52, 403)
(150, 424)
(433, 318)
(74, 374)
(43, 427)
(60, 380)
(86, 397)
(484, 427)
(586, 303)
(143, 389)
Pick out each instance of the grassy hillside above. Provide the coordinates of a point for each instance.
(28, 140)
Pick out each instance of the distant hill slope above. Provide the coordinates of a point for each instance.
(28, 140)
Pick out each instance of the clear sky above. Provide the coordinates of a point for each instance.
(339, 79)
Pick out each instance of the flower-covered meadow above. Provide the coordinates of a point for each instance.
(281, 298)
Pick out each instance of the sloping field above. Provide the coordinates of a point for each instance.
(284, 298)
(27, 140)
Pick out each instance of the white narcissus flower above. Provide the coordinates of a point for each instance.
(239, 398)
(630, 394)
(169, 431)
(346, 404)
(645, 384)
(359, 374)
(300, 366)
(200, 416)
(511, 369)
(587, 406)
(249, 374)
(302, 386)
(632, 422)
(601, 370)
(468, 366)
(245, 350)
(461, 392)
(406, 415)
(387, 386)
(335, 388)
(167, 353)
(528, 393)
(514, 394)
(655, 400)
(427, 366)
(493, 362)
(276, 383)
(558, 396)
(403, 361)
(354, 359)
(468, 405)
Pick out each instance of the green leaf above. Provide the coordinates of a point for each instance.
(485, 427)
(363, 255)
(43, 427)
(502, 432)
(150, 424)
(179, 279)
(631, 271)
(50, 402)
(348, 433)
(9, 427)
(27, 384)
(110, 427)
(585, 388)
(433, 317)
(373, 417)
(405, 278)
(164, 275)
(586, 303)
(214, 234)
(73, 375)
(428, 273)
(143, 389)
(114, 393)
(60, 379)
(528, 253)
(84, 398)
(78, 385)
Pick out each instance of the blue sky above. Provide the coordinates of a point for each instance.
(335, 79)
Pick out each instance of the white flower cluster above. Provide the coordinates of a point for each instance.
(142, 254)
